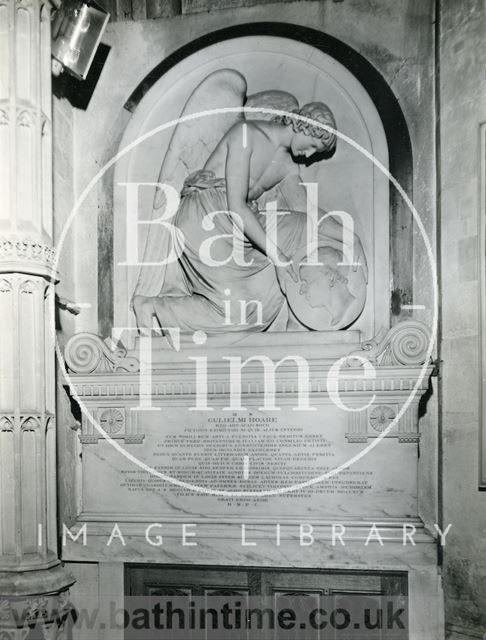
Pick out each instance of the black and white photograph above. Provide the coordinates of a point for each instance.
(242, 319)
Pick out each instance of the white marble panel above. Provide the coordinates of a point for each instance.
(248, 452)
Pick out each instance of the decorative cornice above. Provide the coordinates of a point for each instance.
(26, 249)
(174, 386)
(30, 610)
(26, 422)
(88, 353)
(412, 438)
(396, 354)
(405, 344)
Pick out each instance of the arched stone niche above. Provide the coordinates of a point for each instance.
(348, 181)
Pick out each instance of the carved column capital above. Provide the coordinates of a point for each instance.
(51, 614)
(27, 255)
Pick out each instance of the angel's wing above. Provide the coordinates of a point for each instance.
(193, 141)
(270, 99)
(191, 144)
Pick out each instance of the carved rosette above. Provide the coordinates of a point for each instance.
(381, 417)
(88, 353)
(112, 421)
(118, 423)
(371, 423)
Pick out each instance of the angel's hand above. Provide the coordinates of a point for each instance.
(285, 272)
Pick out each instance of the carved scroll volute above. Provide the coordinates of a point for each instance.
(87, 353)
(407, 344)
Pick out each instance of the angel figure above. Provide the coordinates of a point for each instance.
(237, 162)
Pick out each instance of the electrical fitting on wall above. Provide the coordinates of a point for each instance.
(77, 28)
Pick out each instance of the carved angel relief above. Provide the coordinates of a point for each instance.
(246, 252)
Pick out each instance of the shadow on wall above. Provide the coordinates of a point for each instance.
(79, 92)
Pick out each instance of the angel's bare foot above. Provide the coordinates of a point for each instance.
(143, 307)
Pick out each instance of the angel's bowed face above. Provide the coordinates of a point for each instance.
(304, 146)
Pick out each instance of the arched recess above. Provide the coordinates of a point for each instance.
(349, 67)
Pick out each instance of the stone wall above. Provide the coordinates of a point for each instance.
(462, 109)
(126, 10)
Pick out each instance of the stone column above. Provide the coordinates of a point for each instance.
(33, 585)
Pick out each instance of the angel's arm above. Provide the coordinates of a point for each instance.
(237, 174)
(295, 195)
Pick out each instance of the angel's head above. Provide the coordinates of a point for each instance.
(310, 139)
(326, 284)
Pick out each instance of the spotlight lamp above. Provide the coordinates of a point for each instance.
(77, 28)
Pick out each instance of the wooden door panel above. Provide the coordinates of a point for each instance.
(302, 592)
